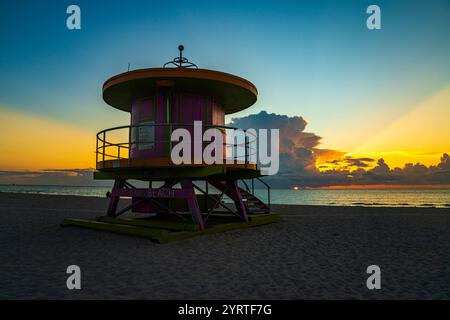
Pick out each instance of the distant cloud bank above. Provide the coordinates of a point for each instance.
(72, 177)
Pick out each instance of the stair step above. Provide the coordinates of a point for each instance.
(258, 205)
(254, 201)
(259, 211)
(248, 196)
(257, 202)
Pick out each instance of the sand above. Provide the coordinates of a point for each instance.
(317, 252)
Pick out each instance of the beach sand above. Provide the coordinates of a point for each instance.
(317, 252)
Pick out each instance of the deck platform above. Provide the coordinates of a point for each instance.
(167, 230)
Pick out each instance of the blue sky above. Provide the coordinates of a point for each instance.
(316, 59)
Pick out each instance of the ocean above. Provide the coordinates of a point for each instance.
(439, 198)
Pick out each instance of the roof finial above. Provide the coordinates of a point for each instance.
(181, 48)
(181, 62)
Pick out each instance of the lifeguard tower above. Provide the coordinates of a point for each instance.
(161, 100)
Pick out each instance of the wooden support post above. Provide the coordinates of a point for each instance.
(206, 196)
(114, 201)
(236, 196)
(193, 204)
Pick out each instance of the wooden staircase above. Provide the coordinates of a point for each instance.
(253, 204)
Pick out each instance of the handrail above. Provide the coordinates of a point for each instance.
(246, 186)
(105, 144)
(172, 124)
(268, 190)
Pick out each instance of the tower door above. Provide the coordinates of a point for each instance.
(143, 134)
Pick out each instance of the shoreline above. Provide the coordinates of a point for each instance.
(356, 204)
(317, 252)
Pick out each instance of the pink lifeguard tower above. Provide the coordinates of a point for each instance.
(159, 101)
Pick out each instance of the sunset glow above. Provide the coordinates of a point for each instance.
(35, 143)
(382, 186)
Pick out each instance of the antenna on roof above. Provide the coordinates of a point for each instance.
(180, 61)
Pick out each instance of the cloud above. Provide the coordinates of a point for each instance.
(445, 163)
(350, 162)
(292, 133)
(297, 147)
(73, 177)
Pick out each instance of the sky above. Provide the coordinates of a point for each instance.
(366, 94)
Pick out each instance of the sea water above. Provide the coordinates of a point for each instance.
(407, 197)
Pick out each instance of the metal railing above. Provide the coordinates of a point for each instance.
(124, 141)
(267, 187)
(252, 189)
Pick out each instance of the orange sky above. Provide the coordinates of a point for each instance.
(33, 143)
(421, 135)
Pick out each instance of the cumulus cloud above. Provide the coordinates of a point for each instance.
(297, 147)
